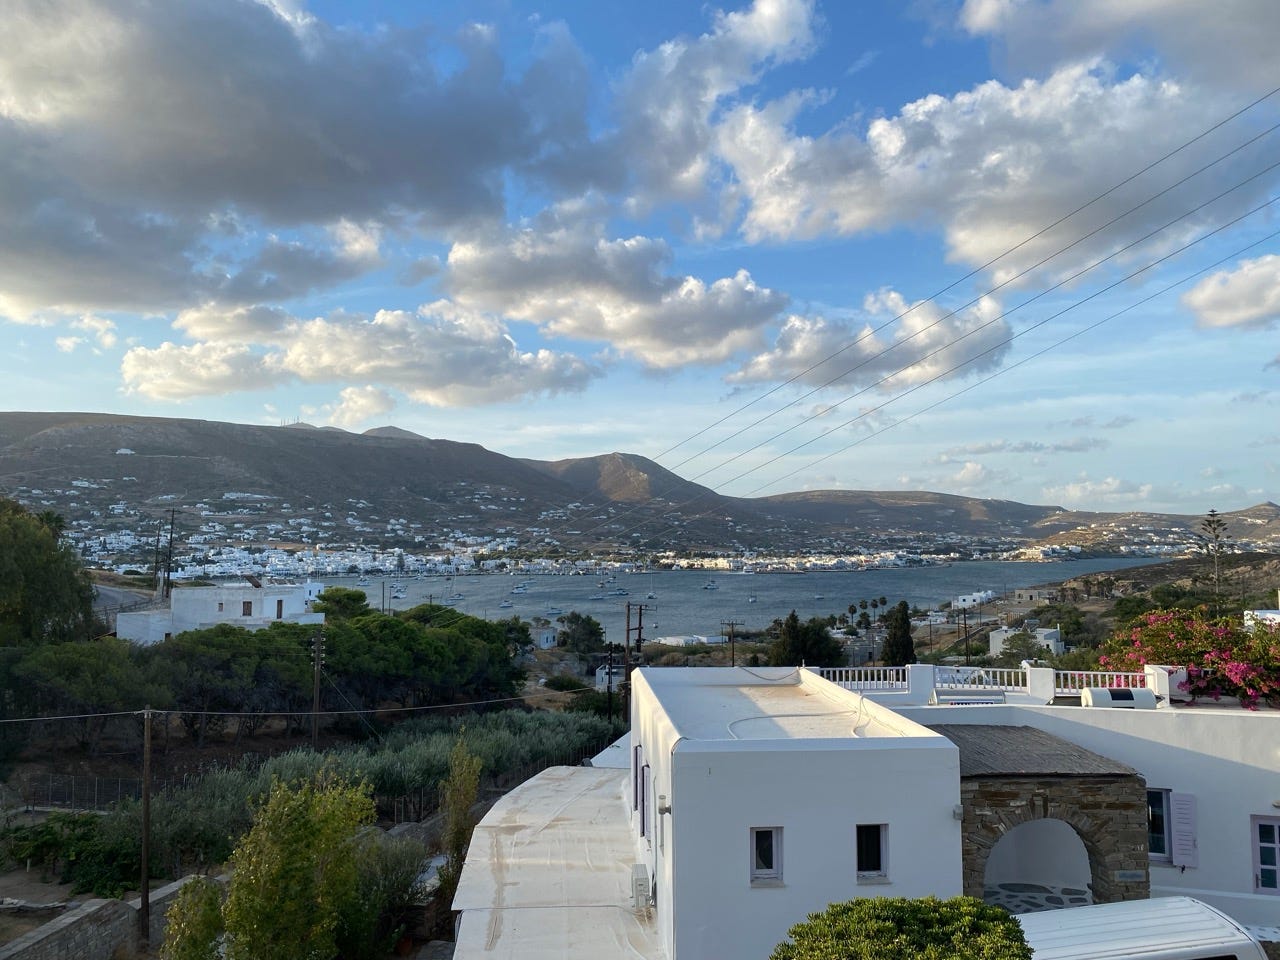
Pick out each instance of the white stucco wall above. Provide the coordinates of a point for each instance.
(1228, 758)
(197, 608)
(817, 790)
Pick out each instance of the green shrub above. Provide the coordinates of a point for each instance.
(962, 928)
(564, 682)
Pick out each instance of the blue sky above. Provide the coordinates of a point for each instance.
(776, 246)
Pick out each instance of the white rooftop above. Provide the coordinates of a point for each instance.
(769, 703)
(548, 874)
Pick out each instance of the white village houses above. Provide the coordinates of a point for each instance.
(745, 799)
(249, 605)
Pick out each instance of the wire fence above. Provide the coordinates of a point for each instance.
(73, 792)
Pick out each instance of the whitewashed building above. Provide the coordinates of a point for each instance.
(744, 799)
(1047, 637)
(242, 605)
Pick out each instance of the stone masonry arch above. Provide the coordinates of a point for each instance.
(1107, 813)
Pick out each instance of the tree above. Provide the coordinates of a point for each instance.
(962, 928)
(1018, 647)
(458, 794)
(580, 633)
(45, 593)
(1213, 542)
(898, 650)
(341, 603)
(808, 643)
(294, 872)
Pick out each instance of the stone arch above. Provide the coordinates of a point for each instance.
(1108, 814)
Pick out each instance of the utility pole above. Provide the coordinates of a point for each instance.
(317, 658)
(609, 676)
(733, 656)
(144, 901)
(965, 614)
(168, 564)
(627, 667)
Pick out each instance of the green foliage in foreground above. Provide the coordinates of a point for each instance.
(196, 827)
(310, 881)
(962, 928)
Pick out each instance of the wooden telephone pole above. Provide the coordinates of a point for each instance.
(730, 624)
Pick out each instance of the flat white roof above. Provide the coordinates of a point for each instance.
(769, 703)
(548, 874)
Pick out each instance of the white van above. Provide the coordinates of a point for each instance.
(1166, 928)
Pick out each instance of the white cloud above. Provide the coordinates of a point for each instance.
(924, 345)
(1229, 42)
(357, 405)
(1037, 447)
(68, 344)
(668, 101)
(173, 372)
(440, 355)
(990, 166)
(566, 276)
(1247, 296)
(1111, 492)
(102, 329)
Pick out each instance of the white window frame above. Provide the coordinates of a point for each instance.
(1256, 845)
(873, 876)
(770, 876)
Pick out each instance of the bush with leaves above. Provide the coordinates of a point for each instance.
(193, 922)
(962, 928)
(457, 796)
(1221, 656)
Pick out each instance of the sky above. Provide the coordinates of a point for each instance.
(1018, 249)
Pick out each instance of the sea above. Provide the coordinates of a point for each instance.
(697, 602)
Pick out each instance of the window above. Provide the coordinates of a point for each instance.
(766, 856)
(1158, 845)
(644, 801)
(246, 608)
(1266, 855)
(219, 606)
(872, 852)
(279, 609)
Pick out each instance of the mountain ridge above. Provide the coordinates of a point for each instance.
(398, 485)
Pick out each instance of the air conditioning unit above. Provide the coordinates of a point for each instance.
(1126, 698)
(962, 698)
(641, 893)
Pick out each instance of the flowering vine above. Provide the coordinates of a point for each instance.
(1222, 657)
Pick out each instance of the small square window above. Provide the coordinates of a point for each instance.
(766, 856)
(219, 606)
(246, 608)
(872, 852)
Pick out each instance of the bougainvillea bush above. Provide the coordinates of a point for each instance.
(1222, 657)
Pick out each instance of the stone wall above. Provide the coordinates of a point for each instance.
(94, 931)
(1108, 813)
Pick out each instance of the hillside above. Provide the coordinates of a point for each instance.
(307, 485)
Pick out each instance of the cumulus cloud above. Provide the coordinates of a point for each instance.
(667, 103)
(563, 274)
(1110, 491)
(1246, 296)
(440, 355)
(1187, 37)
(356, 405)
(990, 166)
(173, 372)
(130, 132)
(102, 330)
(925, 344)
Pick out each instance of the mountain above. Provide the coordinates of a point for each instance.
(303, 484)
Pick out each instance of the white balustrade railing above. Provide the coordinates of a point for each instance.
(1073, 681)
(867, 678)
(989, 678)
